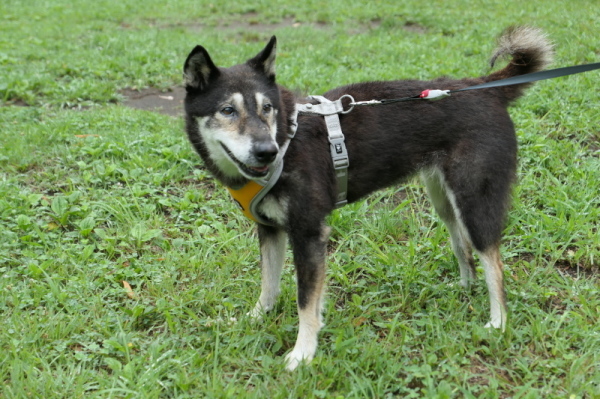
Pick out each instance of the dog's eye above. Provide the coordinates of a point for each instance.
(267, 108)
(227, 111)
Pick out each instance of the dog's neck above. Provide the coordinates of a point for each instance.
(287, 115)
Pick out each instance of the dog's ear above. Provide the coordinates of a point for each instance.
(265, 60)
(199, 70)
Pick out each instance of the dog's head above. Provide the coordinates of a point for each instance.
(232, 113)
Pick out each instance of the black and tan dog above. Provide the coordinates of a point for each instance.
(240, 122)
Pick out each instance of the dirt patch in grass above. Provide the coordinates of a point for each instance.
(249, 26)
(252, 23)
(17, 102)
(577, 271)
(415, 27)
(168, 102)
(566, 267)
(252, 26)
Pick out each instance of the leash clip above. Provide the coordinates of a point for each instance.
(434, 94)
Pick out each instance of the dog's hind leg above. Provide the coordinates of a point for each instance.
(440, 198)
(494, 278)
(309, 256)
(480, 193)
(273, 242)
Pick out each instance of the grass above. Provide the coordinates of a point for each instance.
(93, 194)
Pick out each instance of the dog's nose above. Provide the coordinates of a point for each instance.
(265, 152)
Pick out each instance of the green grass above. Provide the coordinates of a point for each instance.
(93, 194)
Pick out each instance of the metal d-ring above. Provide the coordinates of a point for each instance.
(351, 102)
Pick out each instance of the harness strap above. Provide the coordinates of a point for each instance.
(330, 110)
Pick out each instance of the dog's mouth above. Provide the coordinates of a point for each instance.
(252, 171)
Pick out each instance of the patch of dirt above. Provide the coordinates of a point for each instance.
(414, 27)
(248, 22)
(169, 102)
(14, 102)
(246, 25)
(577, 271)
(20, 103)
(566, 267)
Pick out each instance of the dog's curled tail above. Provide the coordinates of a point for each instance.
(531, 51)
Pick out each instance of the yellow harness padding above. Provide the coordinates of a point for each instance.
(249, 196)
(244, 196)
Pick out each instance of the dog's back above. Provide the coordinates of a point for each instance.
(389, 142)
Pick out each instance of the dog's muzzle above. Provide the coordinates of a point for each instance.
(264, 156)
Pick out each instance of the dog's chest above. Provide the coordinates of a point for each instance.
(274, 208)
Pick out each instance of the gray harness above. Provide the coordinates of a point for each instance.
(330, 110)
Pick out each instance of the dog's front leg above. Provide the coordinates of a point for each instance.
(309, 257)
(272, 251)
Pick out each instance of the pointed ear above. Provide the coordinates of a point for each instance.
(199, 70)
(265, 60)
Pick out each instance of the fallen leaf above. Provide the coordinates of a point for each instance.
(129, 290)
(82, 136)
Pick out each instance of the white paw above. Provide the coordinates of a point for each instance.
(465, 283)
(297, 357)
(257, 313)
(496, 323)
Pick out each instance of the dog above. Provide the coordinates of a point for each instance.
(464, 147)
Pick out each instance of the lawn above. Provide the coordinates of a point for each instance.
(126, 271)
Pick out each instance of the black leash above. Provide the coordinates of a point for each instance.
(515, 80)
